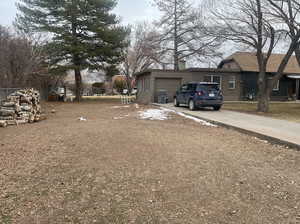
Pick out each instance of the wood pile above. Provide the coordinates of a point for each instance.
(20, 107)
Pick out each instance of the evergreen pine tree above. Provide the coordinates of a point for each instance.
(84, 33)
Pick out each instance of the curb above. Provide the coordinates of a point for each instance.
(270, 139)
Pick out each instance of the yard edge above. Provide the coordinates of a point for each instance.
(270, 139)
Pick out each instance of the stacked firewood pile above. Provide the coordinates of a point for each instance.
(20, 107)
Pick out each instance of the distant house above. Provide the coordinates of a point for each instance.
(88, 79)
(286, 88)
(237, 76)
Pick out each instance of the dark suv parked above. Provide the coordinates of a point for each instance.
(199, 94)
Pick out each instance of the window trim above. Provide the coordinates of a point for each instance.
(232, 81)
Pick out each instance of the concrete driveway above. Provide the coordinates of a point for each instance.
(278, 131)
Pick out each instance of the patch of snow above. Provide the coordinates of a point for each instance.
(154, 114)
(205, 123)
(82, 119)
(118, 107)
(261, 140)
(162, 114)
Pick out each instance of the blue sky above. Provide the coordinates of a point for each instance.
(129, 10)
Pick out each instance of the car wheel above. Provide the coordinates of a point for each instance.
(176, 104)
(216, 108)
(192, 105)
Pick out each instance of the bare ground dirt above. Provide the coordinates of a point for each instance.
(129, 170)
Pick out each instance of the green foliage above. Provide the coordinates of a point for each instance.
(84, 31)
(85, 34)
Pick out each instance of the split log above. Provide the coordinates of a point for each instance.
(8, 104)
(3, 124)
(26, 108)
(7, 112)
(3, 118)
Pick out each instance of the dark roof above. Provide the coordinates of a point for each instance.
(248, 62)
(212, 70)
(149, 71)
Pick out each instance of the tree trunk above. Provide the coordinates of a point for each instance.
(176, 56)
(78, 83)
(263, 103)
(263, 97)
(263, 93)
(129, 85)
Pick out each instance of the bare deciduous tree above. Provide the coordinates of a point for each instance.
(181, 32)
(20, 57)
(249, 22)
(287, 14)
(142, 53)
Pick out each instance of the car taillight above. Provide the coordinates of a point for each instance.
(200, 93)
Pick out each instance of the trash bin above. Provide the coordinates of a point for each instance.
(162, 97)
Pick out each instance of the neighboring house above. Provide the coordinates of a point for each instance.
(88, 79)
(237, 76)
(286, 89)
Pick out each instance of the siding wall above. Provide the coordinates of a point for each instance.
(147, 96)
(249, 86)
(229, 94)
(144, 88)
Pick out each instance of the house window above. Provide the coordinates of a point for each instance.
(232, 82)
(276, 88)
(213, 78)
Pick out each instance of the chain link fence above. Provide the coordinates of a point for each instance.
(4, 92)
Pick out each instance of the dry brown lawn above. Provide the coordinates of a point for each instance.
(284, 111)
(129, 170)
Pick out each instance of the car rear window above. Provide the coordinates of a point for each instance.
(208, 87)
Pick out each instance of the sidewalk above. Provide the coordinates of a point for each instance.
(274, 130)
